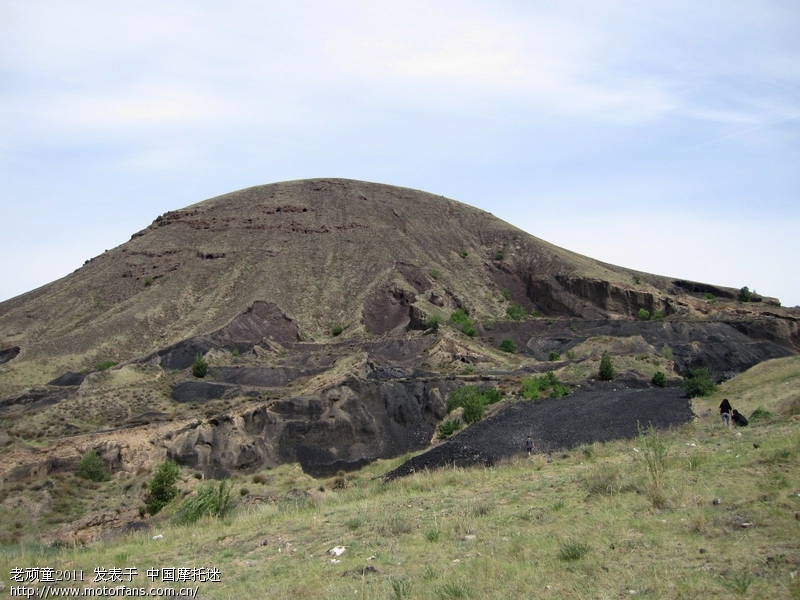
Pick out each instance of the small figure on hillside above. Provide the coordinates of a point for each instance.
(739, 418)
(725, 412)
(529, 445)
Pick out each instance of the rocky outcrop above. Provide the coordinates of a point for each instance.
(344, 427)
(9, 354)
(388, 309)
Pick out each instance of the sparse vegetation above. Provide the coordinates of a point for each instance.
(199, 366)
(643, 314)
(659, 379)
(657, 316)
(499, 255)
(469, 330)
(654, 456)
(570, 354)
(161, 488)
(105, 365)
(93, 467)
(606, 371)
(337, 330)
(554, 356)
(515, 312)
(760, 414)
(572, 550)
(637, 279)
(508, 345)
(473, 400)
(435, 273)
(148, 282)
(210, 501)
(460, 317)
(700, 383)
(710, 298)
(463, 254)
(506, 294)
(532, 387)
(666, 352)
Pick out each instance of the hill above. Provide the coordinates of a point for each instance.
(333, 320)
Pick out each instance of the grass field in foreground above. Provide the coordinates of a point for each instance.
(579, 524)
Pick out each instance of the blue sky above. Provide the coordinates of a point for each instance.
(660, 136)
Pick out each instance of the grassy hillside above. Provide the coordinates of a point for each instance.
(722, 520)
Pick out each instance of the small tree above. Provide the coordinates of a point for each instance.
(659, 379)
(700, 383)
(199, 366)
(644, 314)
(93, 467)
(508, 345)
(606, 367)
(744, 294)
(161, 487)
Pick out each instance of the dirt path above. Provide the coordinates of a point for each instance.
(597, 412)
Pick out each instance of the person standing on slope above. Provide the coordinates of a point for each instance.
(725, 411)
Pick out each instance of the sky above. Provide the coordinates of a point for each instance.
(662, 136)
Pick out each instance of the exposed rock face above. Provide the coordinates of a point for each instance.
(343, 428)
(388, 309)
(9, 354)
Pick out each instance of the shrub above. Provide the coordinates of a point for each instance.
(506, 294)
(606, 367)
(460, 317)
(162, 487)
(93, 467)
(744, 294)
(508, 345)
(435, 273)
(337, 330)
(700, 383)
(760, 414)
(515, 312)
(199, 366)
(555, 356)
(106, 364)
(666, 352)
(469, 330)
(468, 370)
(492, 395)
(710, 298)
(448, 428)
(659, 379)
(148, 282)
(473, 409)
(499, 255)
(644, 314)
(559, 390)
(530, 388)
(657, 315)
(637, 279)
(571, 354)
(463, 254)
(235, 352)
(210, 501)
(433, 322)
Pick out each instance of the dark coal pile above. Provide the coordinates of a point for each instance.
(595, 412)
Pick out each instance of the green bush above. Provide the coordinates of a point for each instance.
(659, 379)
(571, 354)
(554, 356)
(460, 317)
(448, 428)
(657, 315)
(161, 487)
(666, 352)
(506, 294)
(499, 255)
(93, 467)
(337, 330)
(210, 501)
(469, 330)
(654, 455)
(199, 366)
(744, 294)
(148, 282)
(637, 279)
(433, 322)
(473, 409)
(606, 367)
(463, 254)
(644, 314)
(492, 395)
(106, 364)
(760, 414)
(559, 390)
(710, 298)
(435, 273)
(508, 345)
(530, 388)
(515, 312)
(700, 383)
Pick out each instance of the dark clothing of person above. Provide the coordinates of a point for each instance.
(725, 407)
(739, 418)
(529, 445)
